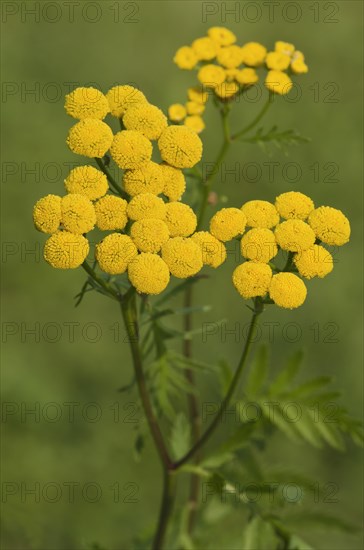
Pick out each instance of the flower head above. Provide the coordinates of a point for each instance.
(259, 245)
(294, 235)
(252, 279)
(287, 290)
(314, 262)
(227, 224)
(148, 273)
(180, 219)
(146, 205)
(78, 213)
(211, 75)
(111, 213)
(88, 181)
(278, 82)
(90, 137)
(185, 58)
(146, 119)
(86, 103)
(177, 112)
(222, 36)
(148, 178)
(330, 225)
(180, 147)
(247, 77)
(197, 94)
(253, 54)
(213, 250)
(294, 205)
(298, 64)
(260, 214)
(278, 61)
(64, 250)
(230, 57)
(130, 149)
(284, 47)
(226, 90)
(195, 123)
(149, 234)
(174, 182)
(183, 257)
(120, 98)
(205, 48)
(115, 252)
(194, 108)
(47, 214)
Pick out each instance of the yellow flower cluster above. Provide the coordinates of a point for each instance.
(226, 69)
(292, 225)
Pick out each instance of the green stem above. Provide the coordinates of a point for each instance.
(111, 180)
(109, 289)
(256, 119)
(129, 313)
(168, 497)
(210, 430)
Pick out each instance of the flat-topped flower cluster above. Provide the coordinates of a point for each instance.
(226, 69)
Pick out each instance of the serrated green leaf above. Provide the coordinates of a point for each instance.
(240, 438)
(287, 374)
(258, 372)
(181, 436)
(320, 520)
(296, 543)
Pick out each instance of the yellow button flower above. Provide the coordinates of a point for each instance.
(260, 214)
(287, 290)
(185, 58)
(231, 74)
(211, 75)
(278, 82)
(149, 234)
(227, 90)
(197, 94)
(277, 61)
(213, 251)
(47, 214)
(64, 250)
(180, 219)
(230, 57)
(314, 262)
(294, 205)
(111, 213)
(130, 149)
(195, 123)
(253, 54)
(148, 273)
(330, 225)
(252, 279)
(174, 182)
(90, 137)
(88, 181)
(284, 47)
(149, 178)
(194, 108)
(146, 119)
(247, 77)
(222, 36)
(182, 256)
(120, 98)
(227, 224)
(146, 205)
(205, 48)
(78, 213)
(115, 252)
(180, 147)
(177, 112)
(294, 235)
(86, 103)
(259, 245)
(298, 64)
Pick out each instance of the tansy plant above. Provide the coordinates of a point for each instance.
(157, 244)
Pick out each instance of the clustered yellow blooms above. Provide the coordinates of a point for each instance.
(152, 235)
(225, 69)
(292, 225)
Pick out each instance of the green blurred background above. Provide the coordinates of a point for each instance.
(133, 42)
